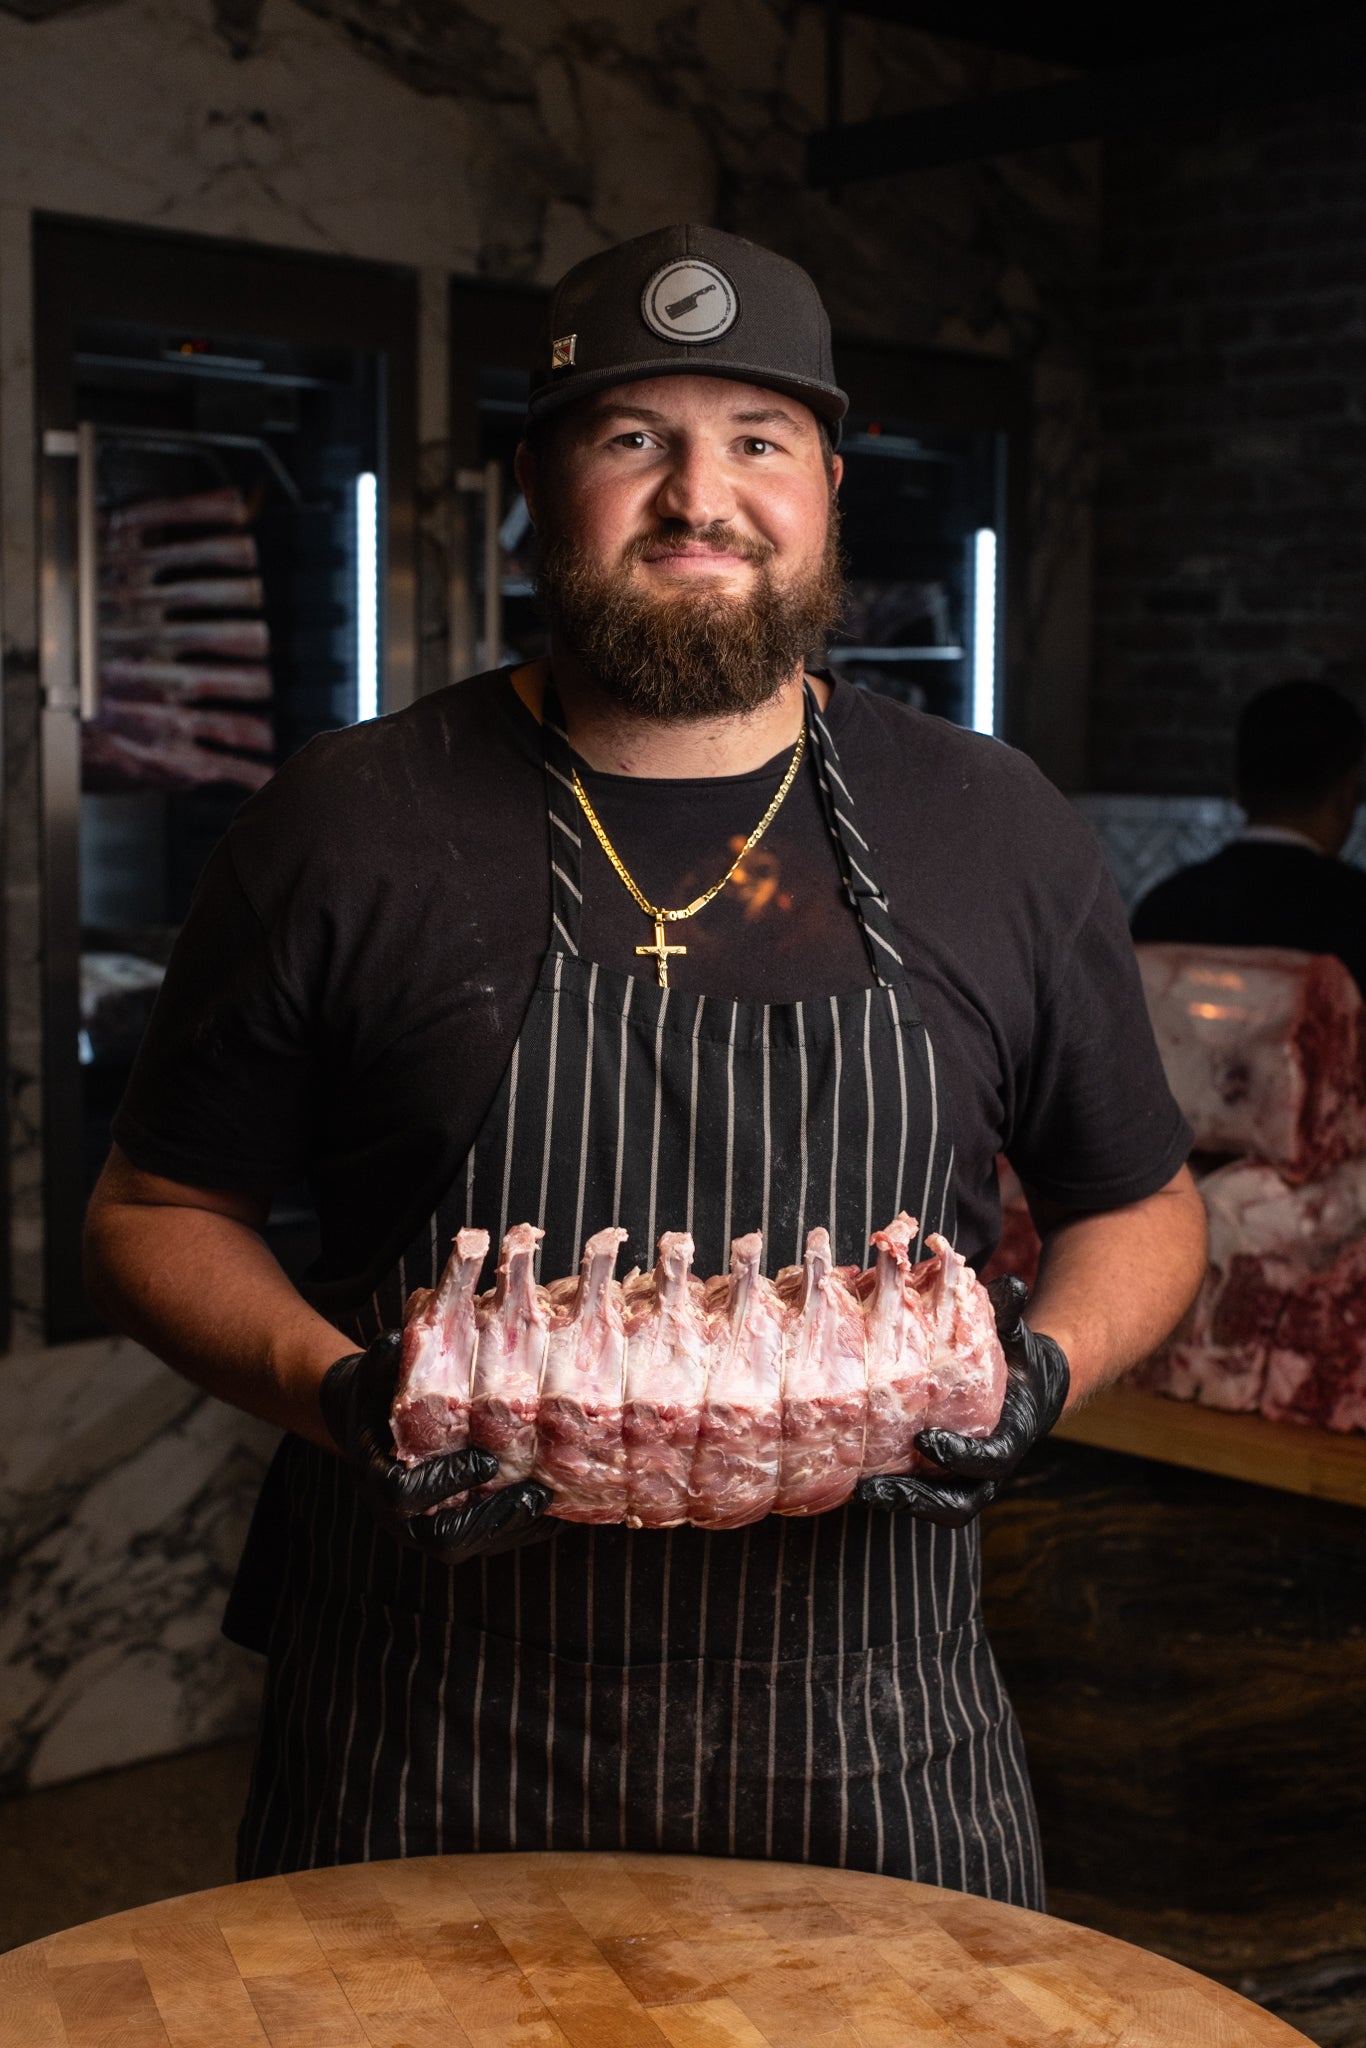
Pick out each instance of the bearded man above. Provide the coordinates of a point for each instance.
(664, 933)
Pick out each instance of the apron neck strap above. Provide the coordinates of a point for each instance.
(865, 895)
(566, 845)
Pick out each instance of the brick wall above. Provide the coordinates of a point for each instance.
(1231, 387)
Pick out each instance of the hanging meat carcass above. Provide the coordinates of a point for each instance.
(666, 1399)
(1263, 1050)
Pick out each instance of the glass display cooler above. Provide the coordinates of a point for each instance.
(227, 507)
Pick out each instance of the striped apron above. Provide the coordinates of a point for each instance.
(809, 1689)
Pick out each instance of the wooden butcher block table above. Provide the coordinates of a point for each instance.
(602, 1952)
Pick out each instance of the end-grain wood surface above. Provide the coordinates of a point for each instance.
(594, 1951)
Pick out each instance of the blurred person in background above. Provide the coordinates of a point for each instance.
(1300, 747)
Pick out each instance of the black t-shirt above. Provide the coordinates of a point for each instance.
(346, 992)
(1261, 892)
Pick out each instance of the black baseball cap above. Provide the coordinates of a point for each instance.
(688, 300)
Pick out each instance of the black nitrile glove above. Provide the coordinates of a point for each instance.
(356, 1395)
(974, 1467)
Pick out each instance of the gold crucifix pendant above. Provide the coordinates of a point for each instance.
(659, 952)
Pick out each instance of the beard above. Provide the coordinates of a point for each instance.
(700, 654)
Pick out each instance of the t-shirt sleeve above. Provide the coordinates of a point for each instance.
(1097, 1125)
(221, 1091)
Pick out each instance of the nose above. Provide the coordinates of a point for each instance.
(695, 488)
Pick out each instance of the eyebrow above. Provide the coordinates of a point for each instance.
(763, 416)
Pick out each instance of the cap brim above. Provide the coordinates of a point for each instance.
(827, 401)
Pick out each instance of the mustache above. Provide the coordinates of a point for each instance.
(672, 536)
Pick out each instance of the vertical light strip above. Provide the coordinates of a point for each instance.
(984, 630)
(367, 594)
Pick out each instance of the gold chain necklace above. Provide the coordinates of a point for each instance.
(659, 952)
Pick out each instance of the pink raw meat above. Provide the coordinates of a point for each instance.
(581, 1454)
(1263, 1051)
(431, 1412)
(150, 602)
(967, 1367)
(664, 1399)
(1316, 1366)
(825, 1388)
(182, 682)
(167, 639)
(157, 723)
(739, 1438)
(666, 1372)
(111, 760)
(514, 1327)
(225, 507)
(1018, 1249)
(898, 1354)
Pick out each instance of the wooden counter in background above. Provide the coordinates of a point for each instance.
(1325, 1464)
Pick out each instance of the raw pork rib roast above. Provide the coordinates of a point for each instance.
(665, 1399)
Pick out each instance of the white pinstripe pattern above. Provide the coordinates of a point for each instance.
(345, 1774)
(852, 829)
(650, 1239)
(568, 831)
(803, 1114)
(624, 1745)
(700, 1701)
(516, 1696)
(918, 1632)
(810, 1699)
(951, 1738)
(509, 1140)
(896, 1686)
(352, 1530)
(563, 931)
(621, 1102)
(439, 1761)
(560, 777)
(660, 1750)
(553, 1063)
(557, 870)
(922, 1212)
(588, 1691)
(901, 1083)
(730, 1133)
(692, 1120)
(956, 1667)
(475, 1722)
(768, 1128)
(587, 1103)
(870, 1099)
(773, 1694)
(409, 1745)
(947, 1190)
(736, 1670)
(838, 1038)
(874, 1747)
(376, 1751)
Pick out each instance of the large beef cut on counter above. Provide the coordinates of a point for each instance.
(1263, 1050)
(666, 1399)
(1279, 1324)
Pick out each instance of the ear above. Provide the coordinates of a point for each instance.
(836, 471)
(524, 468)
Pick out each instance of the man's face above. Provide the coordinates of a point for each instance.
(687, 540)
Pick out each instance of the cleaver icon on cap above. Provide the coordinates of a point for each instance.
(688, 304)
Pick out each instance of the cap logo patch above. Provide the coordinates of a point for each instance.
(689, 301)
(562, 352)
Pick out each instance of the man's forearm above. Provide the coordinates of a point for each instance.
(1111, 1287)
(204, 1292)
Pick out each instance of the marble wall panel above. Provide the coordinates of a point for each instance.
(502, 138)
(124, 1493)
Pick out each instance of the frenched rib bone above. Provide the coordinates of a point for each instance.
(665, 1399)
